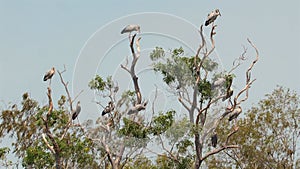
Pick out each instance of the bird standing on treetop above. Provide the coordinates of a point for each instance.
(49, 74)
(212, 17)
(76, 111)
(130, 28)
(110, 107)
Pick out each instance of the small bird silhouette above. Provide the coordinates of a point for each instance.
(214, 140)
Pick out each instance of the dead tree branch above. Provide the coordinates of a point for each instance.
(248, 78)
(56, 147)
(217, 150)
(131, 71)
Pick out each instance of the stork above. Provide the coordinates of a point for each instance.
(131, 28)
(76, 112)
(110, 107)
(49, 74)
(137, 108)
(219, 82)
(235, 113)
(212, 17)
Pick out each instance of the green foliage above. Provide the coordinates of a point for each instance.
(97, 83)
(178, 52)
(3, 152)
(268, 134)
(165, 162)
(38, 157)
(157, 53)
(133, 129)
(4, 161)
(204, 87)
(178, 131)
(162, 122)
(26, 126)
(229, 79)
(140, 162)
(183, 145)
(178, 68)
(61, 101)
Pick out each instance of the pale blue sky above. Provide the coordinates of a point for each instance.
(35, 35)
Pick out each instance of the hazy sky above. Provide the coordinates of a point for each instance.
(36, 35)
(85, 36)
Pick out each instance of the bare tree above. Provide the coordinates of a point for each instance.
(200, 94)
(118, 148)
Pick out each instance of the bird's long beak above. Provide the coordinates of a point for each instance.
(220, 14)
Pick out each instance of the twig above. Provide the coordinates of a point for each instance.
(47, 143)
(215, 151)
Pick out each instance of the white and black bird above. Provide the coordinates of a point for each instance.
(235, 113)
(214, 140)
(137, 108)
(229, 93)
(212, 17)
(49, 74)
(131, 28)
(76, 112)
(110, 107)
(219, 82)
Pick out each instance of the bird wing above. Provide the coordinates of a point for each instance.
(128, 28)
(47, 76)
(210, 19)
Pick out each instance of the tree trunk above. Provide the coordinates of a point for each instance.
(198, 151)
(58, 161)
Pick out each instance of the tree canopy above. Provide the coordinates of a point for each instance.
(129, 131)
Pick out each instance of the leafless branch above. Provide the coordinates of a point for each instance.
(235, 129)
(77, 95)
(236, 160)
(47, 143)
(248, 78)
(217, 150)
(183, 104)
(238, 60)
(66, 87)
(169, 152)
(131, 71)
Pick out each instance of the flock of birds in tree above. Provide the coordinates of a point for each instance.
(212, 16)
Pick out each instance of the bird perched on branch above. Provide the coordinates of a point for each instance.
(138, 108)
(212, 17)
(49, 74)
(214, 140)
(131, 28)
(76, 112)
(218, 83)
(110, 107)
(235, 113)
